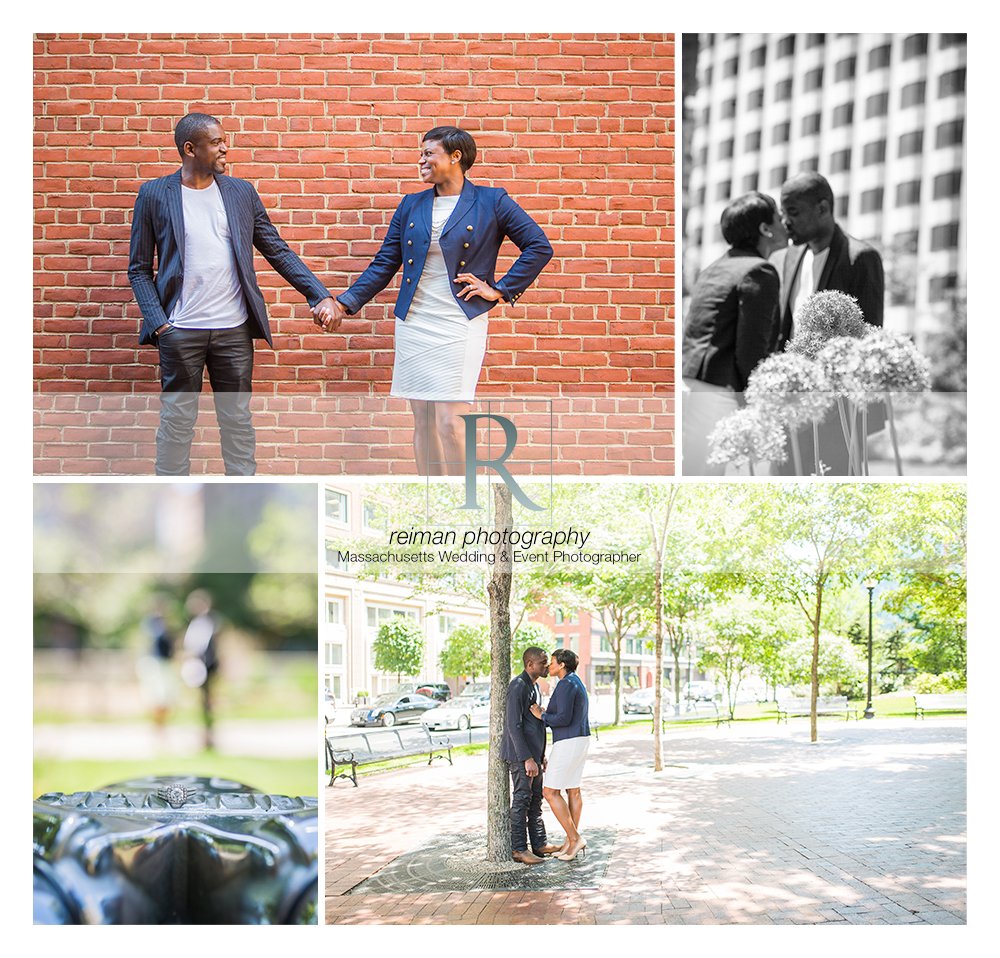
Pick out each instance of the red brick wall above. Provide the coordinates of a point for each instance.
(580, 130)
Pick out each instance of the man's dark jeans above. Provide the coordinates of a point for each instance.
(185, 354)
(525, 809)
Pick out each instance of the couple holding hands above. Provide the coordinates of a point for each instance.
(202, 307)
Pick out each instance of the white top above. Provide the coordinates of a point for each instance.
(807, 278)
(435, 292)
(211, 297)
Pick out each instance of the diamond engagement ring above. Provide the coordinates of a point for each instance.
(175, 795)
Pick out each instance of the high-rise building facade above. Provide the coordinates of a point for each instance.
(881, 116)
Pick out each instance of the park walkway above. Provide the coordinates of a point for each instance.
(260, 738)
(749, 824)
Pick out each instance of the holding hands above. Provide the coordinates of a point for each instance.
(476, 287)
(536, 710)
(328, 314)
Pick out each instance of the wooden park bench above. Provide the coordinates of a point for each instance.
(830, 705)
(939, 702)
(695, 709)
(358, 747)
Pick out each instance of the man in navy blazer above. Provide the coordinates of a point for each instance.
(202, 307)
(825, 257)
(524, 752)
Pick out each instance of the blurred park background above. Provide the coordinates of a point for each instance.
(175, 633)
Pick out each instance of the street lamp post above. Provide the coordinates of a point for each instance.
(869, 710)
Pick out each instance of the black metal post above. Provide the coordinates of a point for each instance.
(869, 710)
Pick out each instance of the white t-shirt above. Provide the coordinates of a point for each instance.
(211, 297)
(807, 279)
(434, 294)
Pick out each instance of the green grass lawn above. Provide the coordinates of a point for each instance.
(886, 706)
(276, 776)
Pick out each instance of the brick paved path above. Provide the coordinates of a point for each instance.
(748, 825)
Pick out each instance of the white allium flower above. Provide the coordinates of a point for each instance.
(840, 360)
(825, 315)
(891, 363)
(747, 436)
(790, 388)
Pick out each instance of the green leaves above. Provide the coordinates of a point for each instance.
(399, 646)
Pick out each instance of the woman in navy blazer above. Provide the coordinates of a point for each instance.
(731, 323)
(567, 716)
(447, 240)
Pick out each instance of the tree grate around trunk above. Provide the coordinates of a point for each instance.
(458, 863)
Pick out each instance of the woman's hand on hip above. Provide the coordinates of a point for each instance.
(476, 287)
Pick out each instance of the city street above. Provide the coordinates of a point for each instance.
(749, 824)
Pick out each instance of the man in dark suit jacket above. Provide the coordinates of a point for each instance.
(524, 751)
(202, 306)
(850, 265)
(825, 257)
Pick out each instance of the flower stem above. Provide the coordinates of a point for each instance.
(848, 439)
(816, 462)
(863, 438)
(892, 434)
(796, 452)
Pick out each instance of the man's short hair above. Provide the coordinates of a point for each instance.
(531, 653)
(812, 186)
(743, 217)
(452, 138)
(192, 128)
(567, 658)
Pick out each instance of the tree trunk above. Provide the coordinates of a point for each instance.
(658, 693)
(676, 644)
(498, 778)
(814, 672)
(618, 679)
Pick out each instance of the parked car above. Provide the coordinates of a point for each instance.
(461, 713)
(329, 707)
(393, 709)
(639, 701)
(701, 691)
(439, 691)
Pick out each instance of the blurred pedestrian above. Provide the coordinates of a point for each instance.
(155, 666)
(201, 662)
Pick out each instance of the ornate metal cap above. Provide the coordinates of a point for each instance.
(175, 849)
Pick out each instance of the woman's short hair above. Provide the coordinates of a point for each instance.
(742, 219)
(567, 658)
(452, 138)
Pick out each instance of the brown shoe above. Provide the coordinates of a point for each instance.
(527, 858)
(547, 850)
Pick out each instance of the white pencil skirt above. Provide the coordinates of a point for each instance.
(566, 760)
(438, 358)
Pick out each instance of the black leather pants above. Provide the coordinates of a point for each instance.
(525, 809)
(185, 354)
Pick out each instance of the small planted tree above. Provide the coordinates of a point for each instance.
(466, 652)
(399, 647)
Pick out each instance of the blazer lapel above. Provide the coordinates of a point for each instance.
(175, 212)
(421, 212)
(465, 202)
(793, 257)
(232, 213)
(836, 251)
